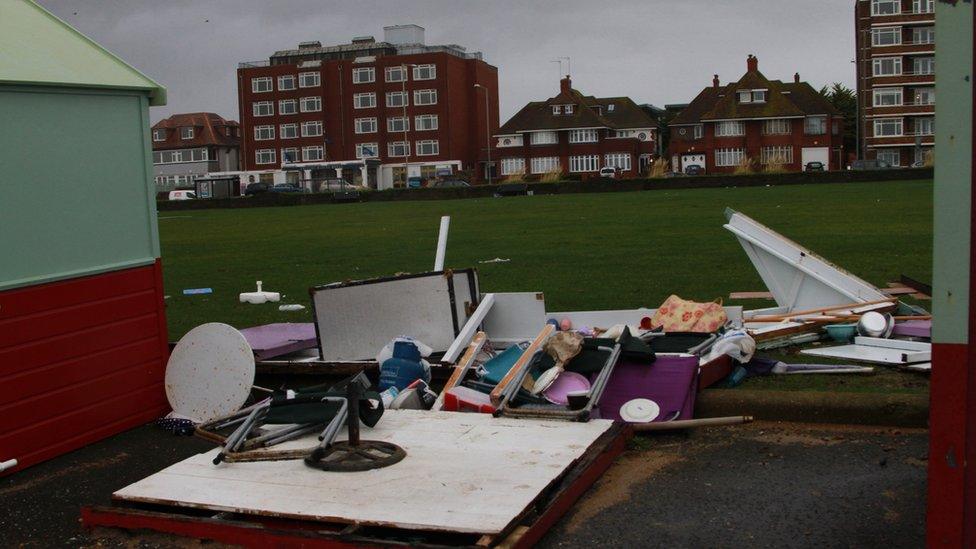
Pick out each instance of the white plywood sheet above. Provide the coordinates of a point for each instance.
(871, 354)
(355, 321)
(470, 473)
(515, 317)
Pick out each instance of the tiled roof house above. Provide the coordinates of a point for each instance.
(191, 145)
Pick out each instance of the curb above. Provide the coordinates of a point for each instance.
(882, 409)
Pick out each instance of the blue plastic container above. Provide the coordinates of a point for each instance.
(403, 368)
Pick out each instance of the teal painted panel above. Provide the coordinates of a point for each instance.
(75, 190)
(953, 171)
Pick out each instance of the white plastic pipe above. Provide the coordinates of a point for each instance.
(442, 243)
(9, 464)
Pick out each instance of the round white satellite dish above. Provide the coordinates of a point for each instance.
(639, 410)
(210, 372)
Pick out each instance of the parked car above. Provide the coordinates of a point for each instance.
(182, 195)
(335, 185)
(815, 167)
(609, 172)
(870, 165)
(256, 188)
(286, 188)
(694, 169)
(448, 184)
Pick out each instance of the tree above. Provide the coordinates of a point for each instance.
(844, 100)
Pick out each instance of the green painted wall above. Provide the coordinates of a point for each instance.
(75, 184)
(953, 171)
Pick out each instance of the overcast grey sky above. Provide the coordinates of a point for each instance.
(655, 51)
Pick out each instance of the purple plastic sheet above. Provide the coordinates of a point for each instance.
(913, 328)
(670, 381)
(271, 340)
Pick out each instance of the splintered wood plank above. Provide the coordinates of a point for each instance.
(467, 473)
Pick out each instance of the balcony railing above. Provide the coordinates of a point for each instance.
(904, 73)
(253, 64)
(905, 43)
(907, 104)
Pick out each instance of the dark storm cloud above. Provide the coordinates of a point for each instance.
(652, 50)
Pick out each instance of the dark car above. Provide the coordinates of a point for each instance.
(286, 188)
(256, 188)
(694, 169)
(448, 184)
(815, 167)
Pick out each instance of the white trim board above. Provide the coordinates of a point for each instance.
(469, 473)
(878, 351)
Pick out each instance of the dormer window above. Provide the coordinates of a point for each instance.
(186, 133)
(557, 109)
(569, 109)
(159, 135)
(752, 96)
(610, 107)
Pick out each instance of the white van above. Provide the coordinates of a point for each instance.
(182, 195)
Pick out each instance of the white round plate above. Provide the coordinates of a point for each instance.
(545, 380)
(210, 372)
(639, 410)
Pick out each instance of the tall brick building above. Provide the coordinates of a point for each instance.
(370, 111)
(576, 134)
(759, 122)
(896, 79)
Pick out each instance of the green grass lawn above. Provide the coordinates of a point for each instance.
(585, 251)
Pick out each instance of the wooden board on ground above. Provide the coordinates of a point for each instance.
(467, 473)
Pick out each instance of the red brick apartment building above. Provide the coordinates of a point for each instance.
(368, 110)
(190, 145)
(759, 121)
(576, 134)
(895, 42)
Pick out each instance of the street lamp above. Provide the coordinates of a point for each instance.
(487, 132)
(406, 144)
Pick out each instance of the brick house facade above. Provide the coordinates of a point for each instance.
(190, 145)
(895, 42)
(759, 122)
(344, 104)
(576, 134)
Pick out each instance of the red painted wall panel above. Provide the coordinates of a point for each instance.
(80, 360)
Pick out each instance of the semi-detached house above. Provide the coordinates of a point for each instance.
(757, 122)
(573, 133)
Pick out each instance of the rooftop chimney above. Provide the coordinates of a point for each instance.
(752, 63)
(796, 78)
(565, 85)
(715, 81)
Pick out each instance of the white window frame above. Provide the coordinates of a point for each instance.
(285, 78)
(291, 128)
(403, 121)
(425, 97)
(397, 69)
(365, 100)
(314, 76)
(780, 152)
(583, 136)
(568, 109)
(928, 38)
(878, 65)
(427, 71)
(260, 82)
(425, 122)
(428, 147)
(392, 146)
(893, 154)
(897, 124)
(879, 32)
(184, 135)
(311, 128)
(365, 125)
(256, 108)
(730, 128)
(698, 131)
(543, 138)
(363, 75)
(929, 62)
(888, 97)
(777, 126)
(306, 157)
(375, 147)
(923, 6)
(727, 157)
(620, 160)
(810, 129)
(159, 134)
(295, 154)
(404, 99)
(744, 96)
(584, 163)
(928, 121)
(893, 7)
(312, 103)
(264, 133)
(557, 109)
(512, 166)
(928, 92)
(545, 164)
(272, 159)
(290, 102)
